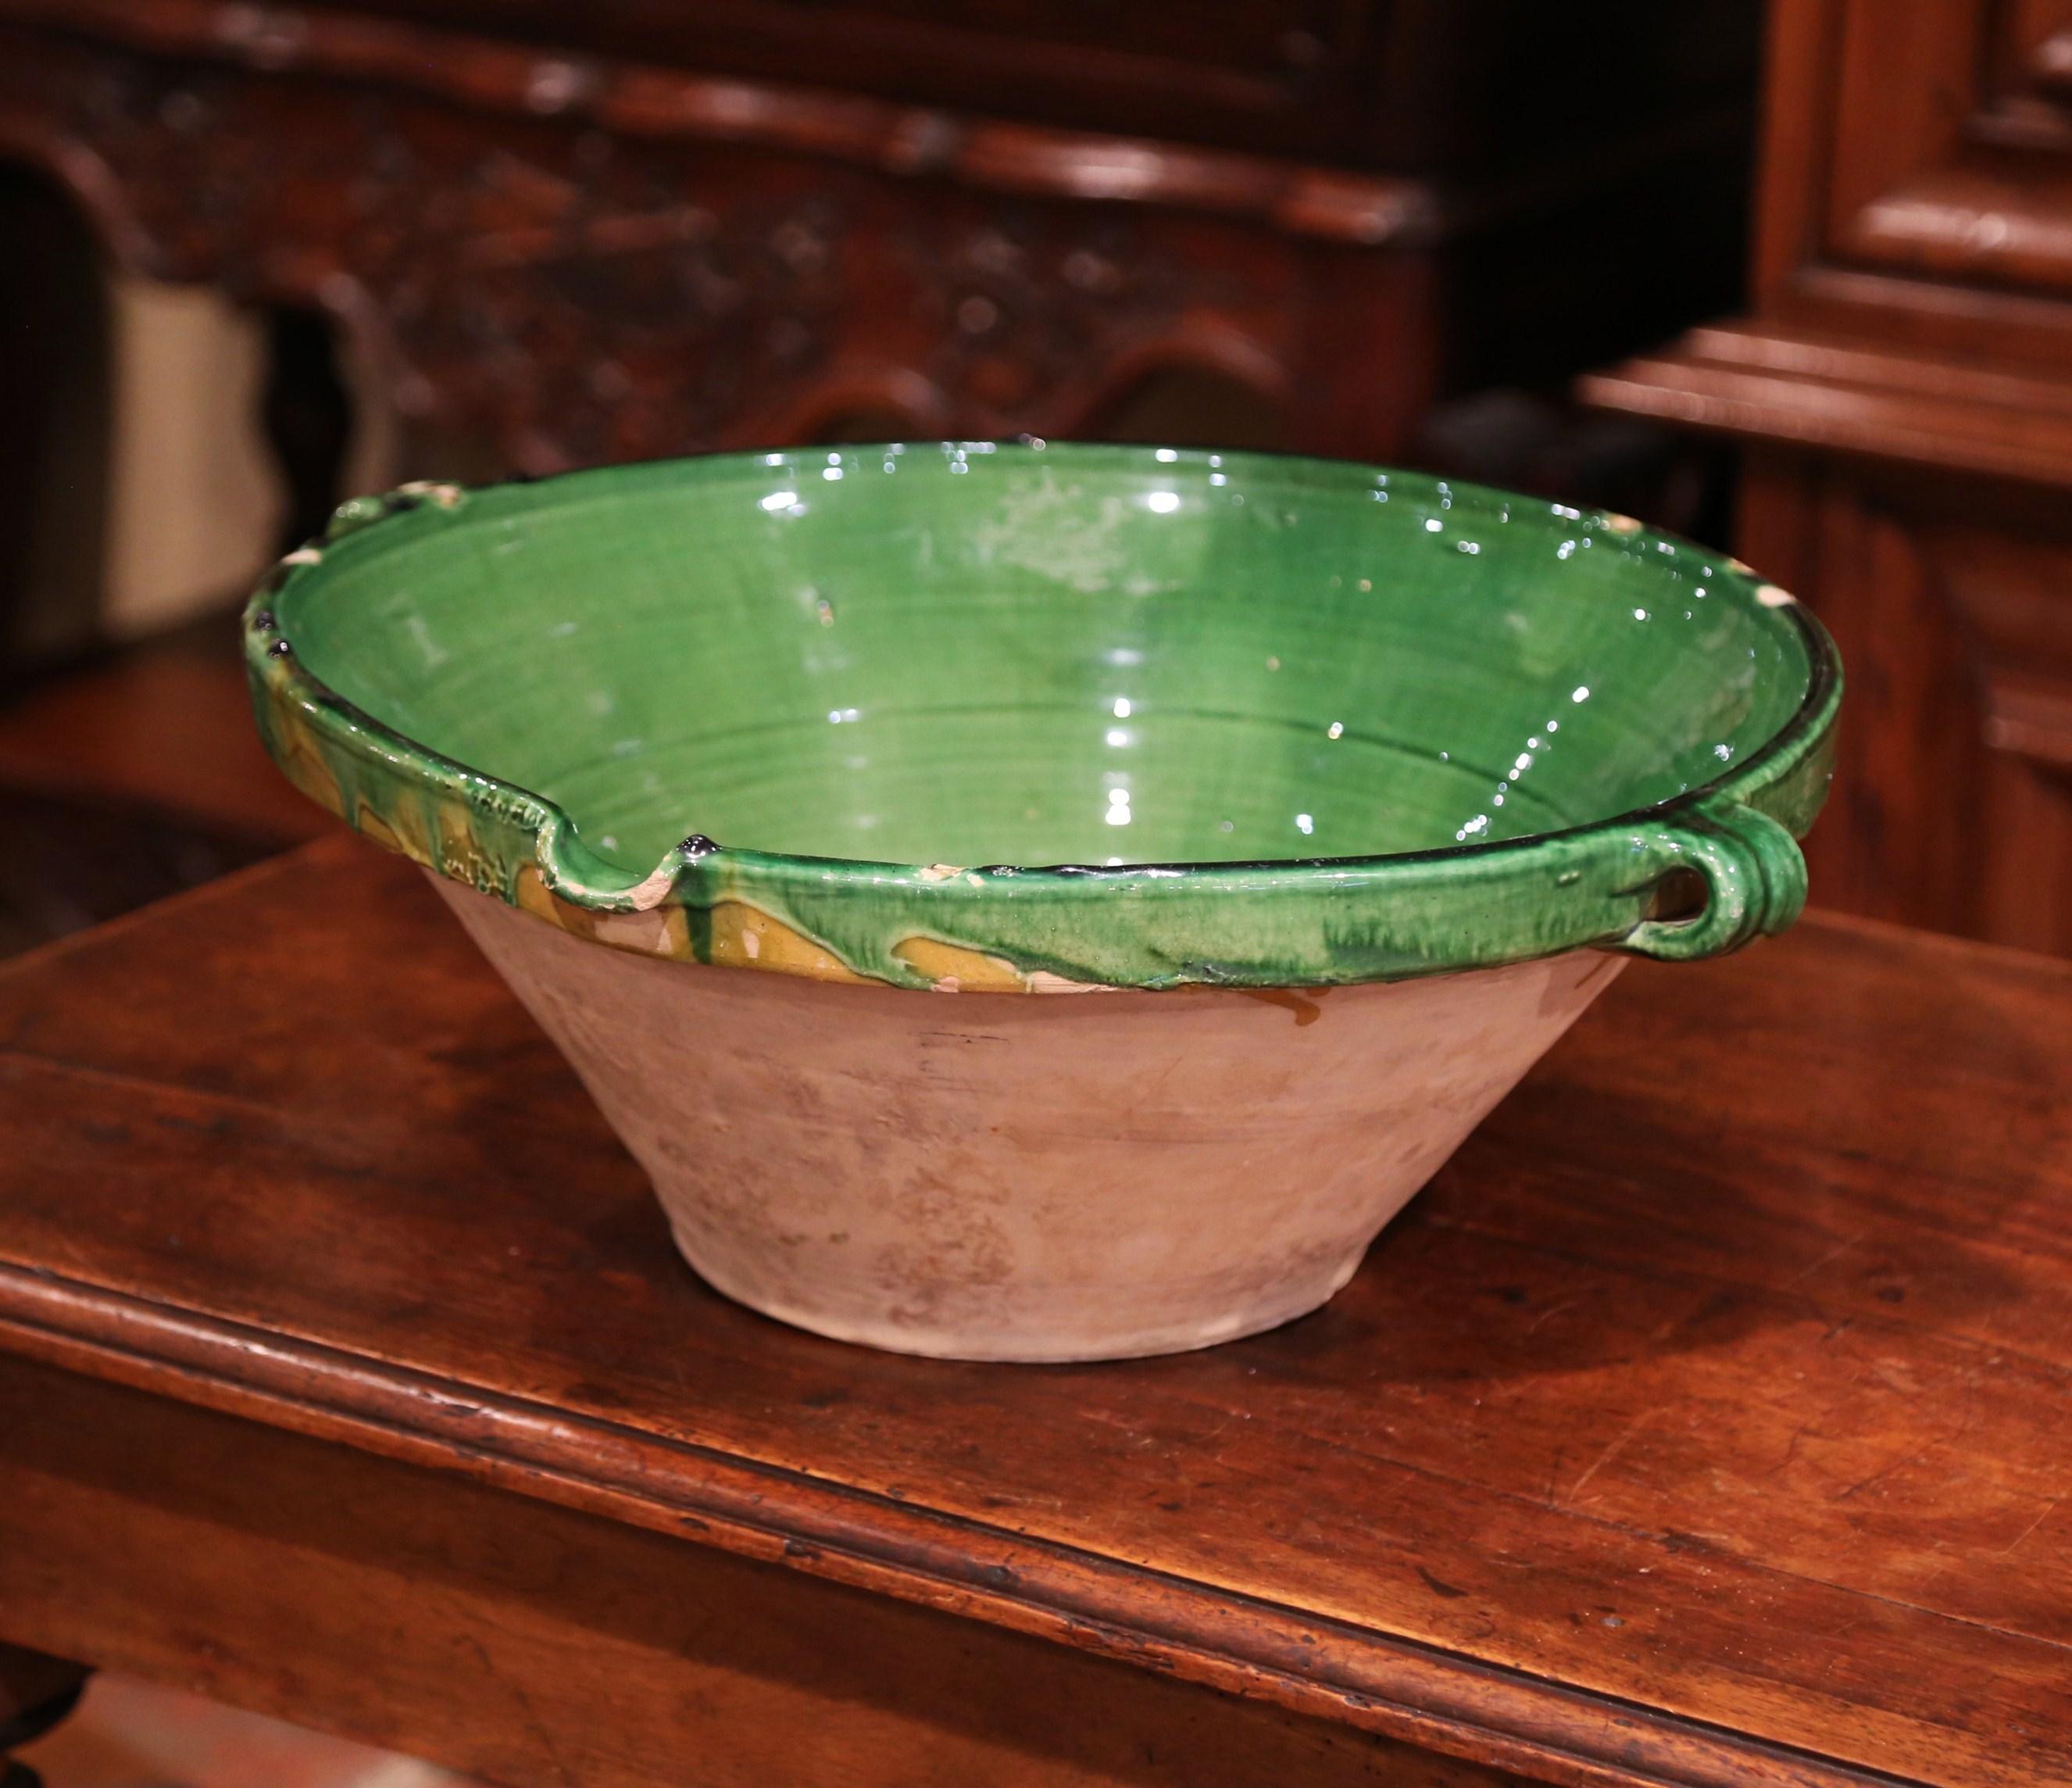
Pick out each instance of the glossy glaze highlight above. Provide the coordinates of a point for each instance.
(1008, 717)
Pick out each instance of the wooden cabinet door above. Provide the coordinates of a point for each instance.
(1952, 603)
(1951, 143)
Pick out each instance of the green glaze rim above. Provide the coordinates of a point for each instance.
(1316, 922)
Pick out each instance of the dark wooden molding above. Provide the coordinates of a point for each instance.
(636, 100)
(1771, 382)
(1967, 224)
(2031, 717)
(1390, 89)
(558, 251)
(2011, 599)
(724, 267)
(1953, 159)
(1919, 141)
(1918, 500)
(578, 297)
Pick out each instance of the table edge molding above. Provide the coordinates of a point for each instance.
(1396, 1687)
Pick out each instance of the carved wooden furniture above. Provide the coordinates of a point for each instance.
(1904, 386)
(1702, 1423)
(587, 233)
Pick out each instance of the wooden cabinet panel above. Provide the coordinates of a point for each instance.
(1902, 86)
(2029, 67)
(1953, 607)
(1952, 153)
(1906, 386)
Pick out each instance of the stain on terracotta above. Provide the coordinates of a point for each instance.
(1304, 1005)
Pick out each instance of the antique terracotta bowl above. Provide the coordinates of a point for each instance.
(1040, 903)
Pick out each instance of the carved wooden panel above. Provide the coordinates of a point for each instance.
(1952, 149)
(1412, 85)
(1283, 72)
(580, 296)
(722, 265)
(2029, 74)
(1768, 382)
(581, 233)
(1906, 386)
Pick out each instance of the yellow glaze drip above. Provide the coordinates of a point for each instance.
(744, 938)
(954, 968)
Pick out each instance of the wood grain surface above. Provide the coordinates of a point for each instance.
(1703, 1422)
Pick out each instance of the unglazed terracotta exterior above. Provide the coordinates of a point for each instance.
(1030, 902)
(982, 1176)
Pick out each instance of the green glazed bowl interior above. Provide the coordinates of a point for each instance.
(1071, 671)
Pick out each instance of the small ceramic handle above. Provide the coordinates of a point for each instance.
(1755, 882)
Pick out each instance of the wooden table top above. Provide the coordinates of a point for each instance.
(1705, 1421)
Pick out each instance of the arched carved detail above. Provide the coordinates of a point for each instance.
(573, 295)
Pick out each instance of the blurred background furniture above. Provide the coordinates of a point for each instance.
(575, 235)
(263, 256)
(1903, 385)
